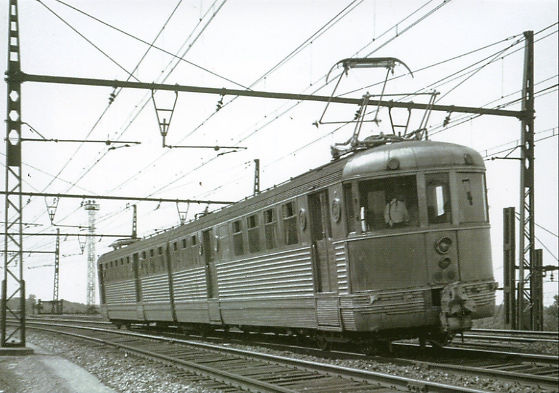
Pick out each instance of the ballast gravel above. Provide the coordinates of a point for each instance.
(125, 374)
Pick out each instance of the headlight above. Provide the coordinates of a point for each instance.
(442, 246)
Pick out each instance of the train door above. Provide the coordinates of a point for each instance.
(170, 265)
(324, 262)
(211, 279)
(138, 286)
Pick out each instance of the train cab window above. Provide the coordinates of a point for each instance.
(144, 256)
(193, 240)
(151, 253)
(472, 201)
(160, 250)
(184, 243)
(270, 229)
(175, 246)
(388, 203)
(237, 238)
(437, 189)
(253, 234)
(290, 224)
(350, 211)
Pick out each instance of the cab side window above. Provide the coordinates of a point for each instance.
(437, 189)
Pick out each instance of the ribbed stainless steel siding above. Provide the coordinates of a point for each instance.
(121, 311)
(284, 274)
(341, 267)
(481, 292)
(190, 285)
(120, 292)
(390, 303)
(156, 289)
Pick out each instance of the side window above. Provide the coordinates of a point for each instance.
(471, 191)
(270, 228)
(438, 198)
(237, 238)
(290, 224)
(253, 235)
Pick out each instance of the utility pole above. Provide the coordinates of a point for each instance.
(91, 207)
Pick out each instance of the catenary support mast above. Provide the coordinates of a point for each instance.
(530, 305)
(13, 285)
(91, 207)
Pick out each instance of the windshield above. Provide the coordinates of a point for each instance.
(471, 191)
(388, 203)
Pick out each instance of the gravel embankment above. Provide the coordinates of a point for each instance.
(130, 374)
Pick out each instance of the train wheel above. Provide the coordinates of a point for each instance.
(377, 348)
(440, 340)
(322, 343)
(422, 342)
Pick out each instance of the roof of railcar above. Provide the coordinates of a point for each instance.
(410, 155)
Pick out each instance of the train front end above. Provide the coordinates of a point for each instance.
(418, 244)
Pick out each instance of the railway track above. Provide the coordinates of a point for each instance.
(248, 370)
(298, 374)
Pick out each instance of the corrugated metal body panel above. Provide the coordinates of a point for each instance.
(346, 311)
(195, 311)
(483, 294)
(190, 285)
(269, 290)
(328, 312)
(296, 312)
(121, 311)
(120, 292)
(372, 311)
(156, 288)
(341, 267)
(156, 298)
(287, 273)
(159, 311)
(390, 303)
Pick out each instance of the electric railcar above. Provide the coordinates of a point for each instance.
(322, 255)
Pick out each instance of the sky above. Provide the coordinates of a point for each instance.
(470, 52)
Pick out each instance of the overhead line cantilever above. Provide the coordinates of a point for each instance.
(23, 77)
